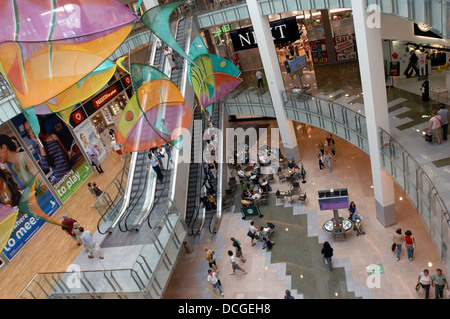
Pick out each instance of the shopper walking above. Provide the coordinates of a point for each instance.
(327, 252)
(252, 232)
(89, 243)
(424, 280)
(116, 147)
(321, 147)
(91, 190)
(332, 145)
(238, 248)
(439, 281)
(259, 76)
(287, 294)
(214, 281)
(211, 258)
(443, 112)
(320, 161)
(96, 164)
(409, 243)
(76, 231)
(398, 239)
(327, 158)
(435, 126)
(234, 264)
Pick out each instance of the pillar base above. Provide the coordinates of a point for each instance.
(386, 214)
(292, 153)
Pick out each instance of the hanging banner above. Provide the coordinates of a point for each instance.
(16, 170)
(57, 153)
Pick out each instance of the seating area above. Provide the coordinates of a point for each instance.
(257, 181)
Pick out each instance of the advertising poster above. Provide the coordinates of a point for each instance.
(58, 155)
(345, 48)
(16, 170)
(90, 141)
(319, 51)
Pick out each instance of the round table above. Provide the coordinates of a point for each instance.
(249, 173)
(256, 196)
(289, 171)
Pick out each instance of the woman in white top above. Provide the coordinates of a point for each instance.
(169, 55)
(425, 281)
(435, 127)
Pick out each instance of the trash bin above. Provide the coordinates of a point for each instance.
(188, 247)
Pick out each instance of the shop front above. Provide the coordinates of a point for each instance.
(324, 36)
(94, 118)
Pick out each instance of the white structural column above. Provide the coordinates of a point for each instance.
(370, 55)
(268, 53)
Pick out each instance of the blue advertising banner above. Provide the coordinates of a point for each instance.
(16, 170)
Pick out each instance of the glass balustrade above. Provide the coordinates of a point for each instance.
(146, 278)
(351, 126)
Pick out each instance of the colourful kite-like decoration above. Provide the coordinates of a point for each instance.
(155, 115)
(29, 205)
(64, 103)
(157, 19)
(212, 77)
(46, 47)
(8, 216)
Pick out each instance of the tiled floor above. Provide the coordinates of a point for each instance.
(300, 271)
(295, 261)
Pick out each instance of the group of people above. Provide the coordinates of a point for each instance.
(438, 124)
(81, 236)
(212, 276)
(261, 234)
(438, 280)
(356, 219)
(325, 156)
(209, 187)
(407, 239)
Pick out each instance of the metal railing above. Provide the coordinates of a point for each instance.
(351, 126)
(145, 278)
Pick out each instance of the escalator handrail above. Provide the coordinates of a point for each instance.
(134, 203)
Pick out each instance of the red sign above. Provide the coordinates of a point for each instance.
(78, 117)
(105, 97)
(127, 80)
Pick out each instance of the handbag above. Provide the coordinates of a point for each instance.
(417, 287)
(428, 137)
(394, 245)
(250, 234)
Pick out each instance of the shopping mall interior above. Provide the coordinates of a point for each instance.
(341, 113)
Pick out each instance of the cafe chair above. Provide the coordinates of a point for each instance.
(281, 176)
(290, 195)
(302, 197)
(280, 195)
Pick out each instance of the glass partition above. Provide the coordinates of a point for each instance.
(351, 126)
(145, 279)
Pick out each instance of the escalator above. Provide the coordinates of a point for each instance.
(193, 204)
(145, 197)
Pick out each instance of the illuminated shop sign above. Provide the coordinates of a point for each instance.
(283, 31)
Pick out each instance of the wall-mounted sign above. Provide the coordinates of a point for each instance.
(105, 96)
(345, 47)
(223, 29)
(283, 31)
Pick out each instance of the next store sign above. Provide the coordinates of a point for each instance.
(283, 31)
